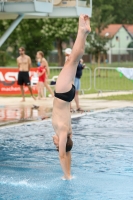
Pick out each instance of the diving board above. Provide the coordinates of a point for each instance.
(33, 9)
(25, 6)
(10, 9)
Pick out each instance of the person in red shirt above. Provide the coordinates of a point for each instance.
(41, 79)
(41, 61)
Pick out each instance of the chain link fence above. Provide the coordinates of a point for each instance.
(107, 79)
(86, 80)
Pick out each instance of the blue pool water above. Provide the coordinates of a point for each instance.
(102, 157)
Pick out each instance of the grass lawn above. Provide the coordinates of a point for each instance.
(128, 97)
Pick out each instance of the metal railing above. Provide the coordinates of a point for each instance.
(86, 81)
(121, 56)
(107, 79)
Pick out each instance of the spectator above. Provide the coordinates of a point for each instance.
(77, 83)
(43, 62)
(80, 67)
(24, 64)
(41, 79)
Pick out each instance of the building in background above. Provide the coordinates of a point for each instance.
(120, 37)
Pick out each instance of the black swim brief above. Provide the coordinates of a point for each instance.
(23, 78)
(67, 96)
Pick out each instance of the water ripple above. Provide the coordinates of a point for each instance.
(103, 147)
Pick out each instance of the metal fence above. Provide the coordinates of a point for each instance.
(109, 79)
(121, 56)
(100, 79)
(86, 80)
(105, 79)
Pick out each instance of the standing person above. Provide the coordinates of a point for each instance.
(67, 53)
(43, 62)
(78, 76)
(80, 67)
(24, 64)
(64, 94)
(41, 79)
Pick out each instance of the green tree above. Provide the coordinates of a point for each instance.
(28, 34)
(3, 27)
(3, 54)
(41, 34)
(97, 48)
(61, 29)
(122, 10)
(3, 58)
(97, 42)
(102, 17)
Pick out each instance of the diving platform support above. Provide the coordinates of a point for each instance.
(11, 29)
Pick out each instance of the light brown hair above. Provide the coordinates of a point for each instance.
(41, 53)
(22, 48)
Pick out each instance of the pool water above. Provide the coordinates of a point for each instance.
(102, 160)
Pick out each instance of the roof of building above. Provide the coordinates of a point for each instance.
(111, 30)
(129, 28)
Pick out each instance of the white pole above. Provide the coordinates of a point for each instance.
(110, 56)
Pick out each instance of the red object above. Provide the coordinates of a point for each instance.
(43, 76)
(8, 82)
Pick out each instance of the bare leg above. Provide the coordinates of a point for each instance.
(76, 98)
(22, 92)
(48, 88)
(31, 92)
(37, 87)
(68, 155)
(68, 161)
(42, 89)
(39, 90)
(66, 77)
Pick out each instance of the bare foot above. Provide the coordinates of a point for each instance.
(84, 23)
(43, 98)
(66, 178)
(23, 100)
(34, 97)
